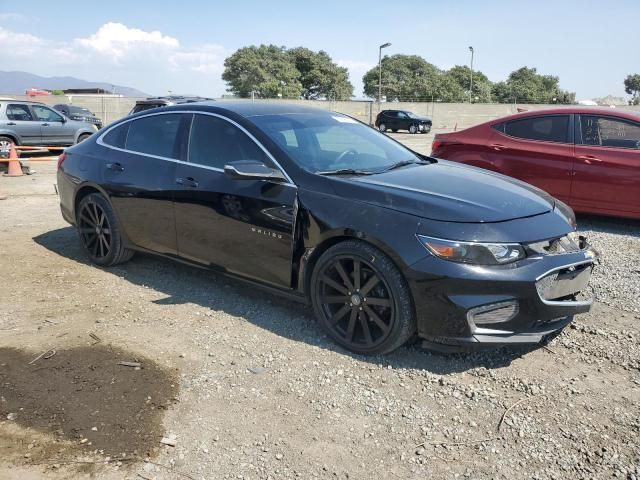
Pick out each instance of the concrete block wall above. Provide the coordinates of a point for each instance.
(446, 116)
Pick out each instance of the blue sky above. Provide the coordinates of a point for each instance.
(180, 46)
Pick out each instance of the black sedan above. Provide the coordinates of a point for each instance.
(384, 243)
(395, 120)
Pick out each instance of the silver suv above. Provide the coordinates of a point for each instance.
(34, 123)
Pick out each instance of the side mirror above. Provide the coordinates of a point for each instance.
(252, 170)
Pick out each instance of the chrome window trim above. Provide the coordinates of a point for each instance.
(100, 142)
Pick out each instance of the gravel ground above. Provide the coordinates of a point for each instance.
(246, 386)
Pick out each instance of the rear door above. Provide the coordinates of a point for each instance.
(538, 150)
(607, 168)
(242, 226)
(139, 176)
(53, 127)
(20, 119)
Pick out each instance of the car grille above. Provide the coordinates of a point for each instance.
(564, 283)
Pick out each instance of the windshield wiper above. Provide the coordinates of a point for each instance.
(344, 171)
(402, 164)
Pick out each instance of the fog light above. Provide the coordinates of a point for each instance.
(493, 313)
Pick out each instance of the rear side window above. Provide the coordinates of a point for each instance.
(117, 137)
(609, 132)
(18, 112)
(155, 135)
(550, 128)
(214, 142)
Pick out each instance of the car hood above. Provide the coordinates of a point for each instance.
(450, 192)
(422, 119)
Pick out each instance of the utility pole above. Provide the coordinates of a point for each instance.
(471, 79)
(384, 45)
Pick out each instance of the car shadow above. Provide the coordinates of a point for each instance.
(186, 284)
(612, 225)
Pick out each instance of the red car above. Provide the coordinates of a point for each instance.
(587, 157)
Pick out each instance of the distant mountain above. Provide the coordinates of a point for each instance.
(15, 83)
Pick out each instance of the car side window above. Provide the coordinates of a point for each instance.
(609, 132)
(155, 135)
(402, 115)
(549, 128)
(45, 114)
(392, 114)
(117, 137)
(214, 142)
(15, 111)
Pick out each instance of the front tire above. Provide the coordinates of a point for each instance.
(83, 137)
(382, 127)
(413, 129)
(361, 299)
(99, 232)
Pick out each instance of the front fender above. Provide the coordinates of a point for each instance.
(325, 218)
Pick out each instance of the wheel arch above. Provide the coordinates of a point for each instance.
(311, 254)
(12, 135)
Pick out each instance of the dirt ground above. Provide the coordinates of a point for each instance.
(246, 386)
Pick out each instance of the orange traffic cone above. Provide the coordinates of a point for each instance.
(14, 170)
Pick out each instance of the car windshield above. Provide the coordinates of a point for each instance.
(330, 142)
(412, 115)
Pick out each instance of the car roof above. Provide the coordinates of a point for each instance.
(251, 109)
(628, 114)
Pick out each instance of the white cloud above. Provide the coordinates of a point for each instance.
(116, 40)
(147, 60)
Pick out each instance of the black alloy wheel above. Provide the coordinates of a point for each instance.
(99, 232)
(361, 299)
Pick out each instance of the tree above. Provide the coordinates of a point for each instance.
(461, 74)
(319, 76)
(632, 87)
(525, 85)
(404, 78)
(267, 70)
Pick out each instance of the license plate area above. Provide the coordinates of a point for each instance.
(564, 283)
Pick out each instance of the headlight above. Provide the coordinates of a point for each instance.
(473, 252)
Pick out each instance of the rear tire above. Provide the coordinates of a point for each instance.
(382, 127)
(100, 233)
(361, 299)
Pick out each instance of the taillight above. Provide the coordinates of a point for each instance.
(61, 158)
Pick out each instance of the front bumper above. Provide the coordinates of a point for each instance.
(521, 303)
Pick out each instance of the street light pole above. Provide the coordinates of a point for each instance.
(384, 45)
(471, 79)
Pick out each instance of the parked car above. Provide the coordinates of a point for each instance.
(156, 102)
(395, 120)
(78, 113)
(33, 123)
(587, 157)
(384, 243)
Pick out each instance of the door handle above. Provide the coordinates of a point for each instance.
(589, 158)
(498, 146)
(11, 123)
(187, 182)
(115, 167)
(45, 124)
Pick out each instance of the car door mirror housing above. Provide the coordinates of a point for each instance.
(252, 170)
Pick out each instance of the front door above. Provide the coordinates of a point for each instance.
(607, 168)
(53, 127)
(538, 150)
(20, 119)
(242, 226)
(139, 172)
